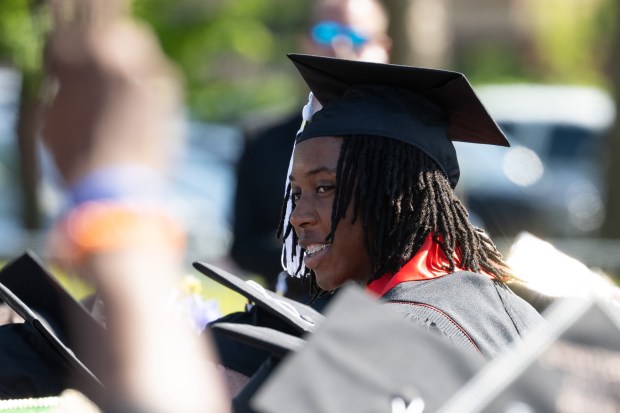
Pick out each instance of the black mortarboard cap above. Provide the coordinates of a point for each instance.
(56, 319)
(27, 278)
(253, 342)
(300, 318)
(365, 358)
(36, 287)
(427, 108)
(36, 362)
(571, 364)
(275, 342)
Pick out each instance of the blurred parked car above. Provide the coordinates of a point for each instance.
(550, 182)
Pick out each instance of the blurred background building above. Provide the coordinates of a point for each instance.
(544, 69)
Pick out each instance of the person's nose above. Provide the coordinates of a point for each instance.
(304, 214)
(343, 48)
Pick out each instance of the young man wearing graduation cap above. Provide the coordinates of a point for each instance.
(371, 199)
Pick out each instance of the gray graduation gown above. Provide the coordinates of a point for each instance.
(470, 309)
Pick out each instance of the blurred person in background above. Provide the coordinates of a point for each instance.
(108, 128)
(351, 29)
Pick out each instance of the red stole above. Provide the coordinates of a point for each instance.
(429, 262)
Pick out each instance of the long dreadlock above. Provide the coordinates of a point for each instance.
(401, 196)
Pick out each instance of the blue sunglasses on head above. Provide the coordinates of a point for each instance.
(324, 33)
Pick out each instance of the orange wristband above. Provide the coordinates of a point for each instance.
(103, 226)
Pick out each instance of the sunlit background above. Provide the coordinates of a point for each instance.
(544, 69)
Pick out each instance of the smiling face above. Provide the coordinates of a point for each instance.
(313, 187)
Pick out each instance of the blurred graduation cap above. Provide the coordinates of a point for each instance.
(365, 358)
(35, 361)
(571, 365)
(427, 108)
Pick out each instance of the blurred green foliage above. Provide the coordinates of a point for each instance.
(232, 53)
(567, 41)
(20, 39)
(22, 27)
(573, 42)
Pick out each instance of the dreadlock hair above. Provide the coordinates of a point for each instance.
(401, 196)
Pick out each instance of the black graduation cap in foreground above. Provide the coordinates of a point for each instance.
(274, 345)
(426, 108)
(28, 279)
(571, 365)
(242, 338)
(35, 362)
(253, 342)
(365, 358)
(275, 342)
(298, 317)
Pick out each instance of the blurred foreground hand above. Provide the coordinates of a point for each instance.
(115, 96)
(115, 100)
